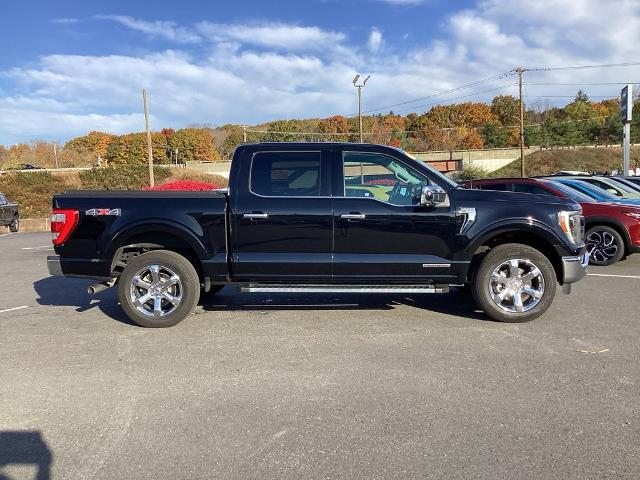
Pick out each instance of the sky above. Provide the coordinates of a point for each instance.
(68, 67)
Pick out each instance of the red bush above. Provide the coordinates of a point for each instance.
(191, 185)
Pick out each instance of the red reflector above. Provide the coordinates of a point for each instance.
(63, 221)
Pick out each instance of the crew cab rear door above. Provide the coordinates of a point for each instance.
(382, 234)
(282, 224)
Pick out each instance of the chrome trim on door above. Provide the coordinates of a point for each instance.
(255, 216)
(353, 216)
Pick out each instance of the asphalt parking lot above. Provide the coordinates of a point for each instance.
(315, 386)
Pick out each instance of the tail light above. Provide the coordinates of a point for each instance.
(63, 221)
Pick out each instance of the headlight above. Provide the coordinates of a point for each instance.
(572, 224)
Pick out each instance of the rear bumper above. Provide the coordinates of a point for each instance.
(53, 264)
(574, 268)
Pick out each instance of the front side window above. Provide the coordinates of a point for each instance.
(381, 177)
(286, 174)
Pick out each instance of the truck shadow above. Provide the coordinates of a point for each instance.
(25, 448)
(72, 292)
(56, 291)
(454, 303)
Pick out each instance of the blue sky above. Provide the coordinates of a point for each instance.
(69, 67)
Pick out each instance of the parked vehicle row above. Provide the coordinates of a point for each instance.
(9, 214)
(321, 217)
(612, 229)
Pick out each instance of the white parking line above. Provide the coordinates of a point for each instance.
(608, 275)
(5, 234)
(13, 309)
(47, 247)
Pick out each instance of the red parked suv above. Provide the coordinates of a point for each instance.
(613, 230)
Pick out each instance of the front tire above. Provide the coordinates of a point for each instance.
(15, 224)
(514, 283)
(605, 245)
(158, 289)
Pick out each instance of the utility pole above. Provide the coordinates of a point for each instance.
(359, 87)
(626, 108)
(149, 148)
(244, 133)
(520, 71)
(55, 155)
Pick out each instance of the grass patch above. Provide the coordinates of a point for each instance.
(32, 191)
(547, 162)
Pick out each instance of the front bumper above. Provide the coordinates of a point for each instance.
(574, 268)
(53, 264)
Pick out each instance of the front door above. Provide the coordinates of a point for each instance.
(282, 222)
(382, 234)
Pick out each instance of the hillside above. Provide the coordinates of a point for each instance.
(546, 162)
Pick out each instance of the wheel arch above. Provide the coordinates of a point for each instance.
(157, 236)
(535, 237)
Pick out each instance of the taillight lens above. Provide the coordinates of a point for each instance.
(63, 221)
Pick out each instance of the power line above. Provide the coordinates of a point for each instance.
(419, 107)
(582, 67)
(443, 92)
(580, 84)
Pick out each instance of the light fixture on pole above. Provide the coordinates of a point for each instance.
(359, 87)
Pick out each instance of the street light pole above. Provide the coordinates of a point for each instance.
(359, 87)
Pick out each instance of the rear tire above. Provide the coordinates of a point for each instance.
(15, 224)
(605, 245)
(158, 289)
(514, 283)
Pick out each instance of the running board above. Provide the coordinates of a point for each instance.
(279, 288)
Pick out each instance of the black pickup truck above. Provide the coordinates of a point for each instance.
(321, 217)
(9, 215)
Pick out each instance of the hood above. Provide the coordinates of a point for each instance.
(471, 195)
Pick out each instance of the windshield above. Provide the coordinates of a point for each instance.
(625, 186)
(571, 193)
(435, 172)
(591, 190)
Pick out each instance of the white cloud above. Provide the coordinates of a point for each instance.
(273, 35)
(258, 72)
(375, 40)
(157, 29)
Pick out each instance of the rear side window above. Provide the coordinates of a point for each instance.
(527, 188)
(286, 174)
(3, 200)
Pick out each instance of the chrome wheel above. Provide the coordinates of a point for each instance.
(155, 291)
(516, 285)
(602, 246)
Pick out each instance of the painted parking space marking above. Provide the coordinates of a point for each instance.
(43, 247)
(610, 275)
(5, 234)
(14, 309)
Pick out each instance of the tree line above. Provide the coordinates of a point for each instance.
(469, 125)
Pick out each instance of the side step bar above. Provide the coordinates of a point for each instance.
(279, 288)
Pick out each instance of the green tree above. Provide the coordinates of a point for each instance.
(194, 144)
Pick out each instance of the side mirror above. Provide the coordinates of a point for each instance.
(432, 195)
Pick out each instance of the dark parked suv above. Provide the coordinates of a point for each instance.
(9, 215)
(321, 217)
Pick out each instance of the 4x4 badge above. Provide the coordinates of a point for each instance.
(98, 212)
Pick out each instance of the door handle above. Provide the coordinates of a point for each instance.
(353, 216)
(255, 216)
